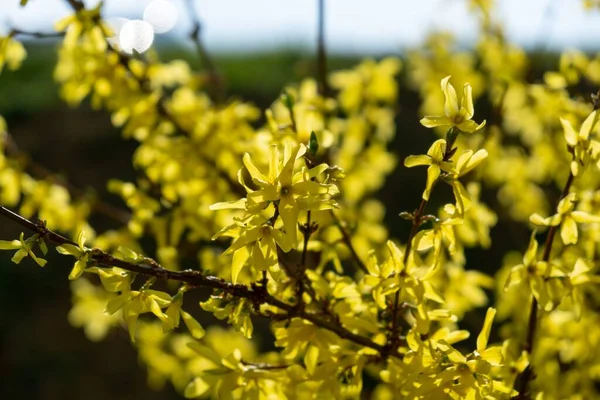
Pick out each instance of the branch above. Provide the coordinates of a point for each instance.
(417, 220)
(148, 267)
(215, 78)
(348, 242)
(76, 5)
(528, 374)
(37, 35)
(321, 52)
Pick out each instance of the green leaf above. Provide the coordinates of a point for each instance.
(287, 99)
(313, 144)
(43, 246)
(24, 3)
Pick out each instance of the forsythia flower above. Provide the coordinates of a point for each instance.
(254, 238)
(460, 117)
(465, 164)
(436, 162)
(12, 53)
(292, 191)
(567, 218)
(584, 149)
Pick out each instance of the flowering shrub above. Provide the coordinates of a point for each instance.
(288, 228)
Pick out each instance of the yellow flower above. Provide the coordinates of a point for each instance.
(256, 238)
(12, 53)
(584, 149)
(436, 162)
(567, 218)
(290, 191)
(460, 117)
(465, 164)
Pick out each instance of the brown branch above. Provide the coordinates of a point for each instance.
(528, 374)
(216, 80)
(34, 34)
(348, 242)
(76, 5)
(148, 267)
(321, 52)
(418, 218)
(307, 231)
(264, 366)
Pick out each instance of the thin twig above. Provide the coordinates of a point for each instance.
(263, 366)
(321, 52)
(218, 88)
(35, 34)
(306, 233)
(76, 5)
(148, 267)
(348, 242)
(418, 218)
(528, 374)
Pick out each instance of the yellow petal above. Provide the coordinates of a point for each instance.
(483, 337)
(568, 231)
(311, 358)
(588, 125)
(463, 201)
(570, 135)
(255, 173)
(451, 101)
(584, 218)
(531, 254)
(433, 173)
(229, 205)
(432, 122)
(467, 101)
(238, 261)
(193, 326)
(437, 150)
(288, 210)
(470, 126)
(415, 161)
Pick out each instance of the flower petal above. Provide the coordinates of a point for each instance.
(433, 173)
(568, 230)
(588, 125)
(415, 161)
(483, 337)
(570, 135)
(432, 122)
(467, 101)
(451, 101)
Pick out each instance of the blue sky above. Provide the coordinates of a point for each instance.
(357, 26)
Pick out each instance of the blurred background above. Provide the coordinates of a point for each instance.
(258, 46)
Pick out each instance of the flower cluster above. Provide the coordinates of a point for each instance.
(284, 220)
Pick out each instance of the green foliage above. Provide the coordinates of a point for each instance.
(286, 227)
